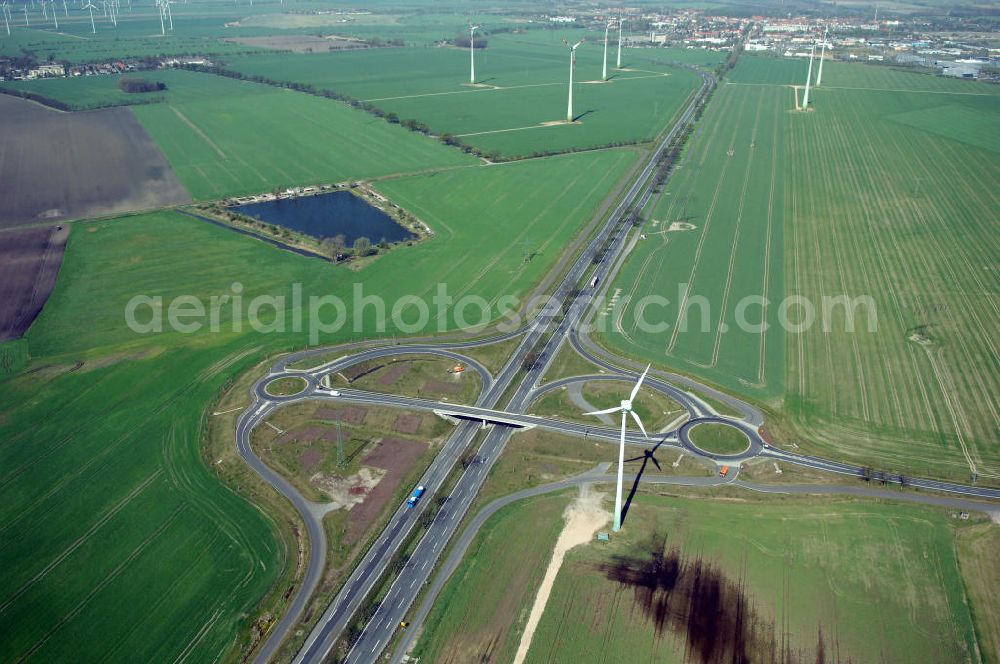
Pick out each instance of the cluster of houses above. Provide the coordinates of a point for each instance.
(889, 41)
(11, 71)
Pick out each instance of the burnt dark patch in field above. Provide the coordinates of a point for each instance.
(59, 166)
(712, 611)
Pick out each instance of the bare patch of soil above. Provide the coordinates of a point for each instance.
(395, 457)
(29, 263)
(95, 163)
(306, 435)
(309, 458)
(407, 423)
(348, 414)
(441, 387)
(393, 373)
(300, 43)
(347, 492)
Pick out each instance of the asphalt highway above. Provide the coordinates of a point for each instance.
(611, 238)
(544, 337)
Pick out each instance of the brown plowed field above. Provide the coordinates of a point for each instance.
(396, 456)
(57, 166)
(29, 264)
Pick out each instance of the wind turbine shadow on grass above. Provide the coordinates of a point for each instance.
(583, 115)
(647, 456)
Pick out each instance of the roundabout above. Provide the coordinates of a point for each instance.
(286, 386)
(720, 440)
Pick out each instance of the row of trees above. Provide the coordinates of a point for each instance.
(336, 247)
(135, 84)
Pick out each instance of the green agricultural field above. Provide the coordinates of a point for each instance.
(714, 236)
(868, 582)
(874, 582)
(83, 92)
(228, 137)
(232, 144)
(111, 522)
(523, 81)
(877, 192)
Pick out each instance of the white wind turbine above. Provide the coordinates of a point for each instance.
(55, 19)
(26, 24)
(619, 65)
(572, 68)
(805, 98)
(91, 7)
(626, 409)
(822, 56)
(6, 18)
(472, 52)
(604, 73)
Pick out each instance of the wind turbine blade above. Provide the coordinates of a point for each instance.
(639, 422)
(635, 390)
(655, 462)
(605, 411)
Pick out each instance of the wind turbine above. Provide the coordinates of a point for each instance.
(6, 18)
(91, 7)
(604, 73)
(472, 53)
(822, 56)
(26, 24)
(626, 409)
(619, 65)
(805, 98)
(572, 68)
(55, 19)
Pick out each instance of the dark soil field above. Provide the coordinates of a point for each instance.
(29, 263)
(299, 43)
(396, 456)
(57, 166)
(348, 414)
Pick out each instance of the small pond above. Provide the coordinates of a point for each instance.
(326, 215)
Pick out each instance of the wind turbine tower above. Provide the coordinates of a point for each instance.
(604, 73)
(6, 19)
(822, 56)
(619, 64)
(26, 24)
(472, 53)
(626, 409)
(90, 6)
(55, 18)
(572, 68)
(805, 98)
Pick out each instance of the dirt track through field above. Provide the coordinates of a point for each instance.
(583, 518)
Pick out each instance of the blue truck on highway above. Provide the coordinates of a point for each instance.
(415, 496)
